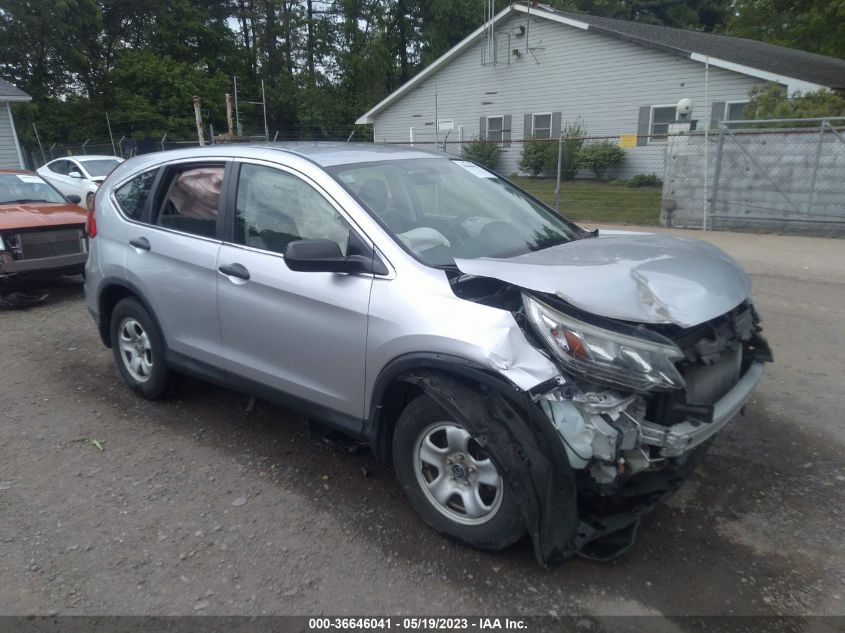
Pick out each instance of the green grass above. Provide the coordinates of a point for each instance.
(598, 201)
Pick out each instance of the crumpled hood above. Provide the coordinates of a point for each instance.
(640, 277)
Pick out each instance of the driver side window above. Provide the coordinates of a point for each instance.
(275, 208)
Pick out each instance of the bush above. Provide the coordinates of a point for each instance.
(644, 180)
(538, 156)
(573, 140)
(482, 152)
(599, 157)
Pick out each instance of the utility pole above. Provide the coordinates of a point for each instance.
(237, 118)
(229, 122)
(264, 107)
(198, 117)
(108, 123)
(37, 138)
(436, 121)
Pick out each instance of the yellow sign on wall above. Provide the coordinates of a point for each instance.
(627, 141)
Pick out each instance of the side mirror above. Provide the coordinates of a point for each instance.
(74, 174)
(324, 256)
(74, 198)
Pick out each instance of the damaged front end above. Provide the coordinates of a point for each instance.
(633, 407)
(633, 436)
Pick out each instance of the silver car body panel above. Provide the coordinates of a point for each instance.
(640, 277)
(401, 323)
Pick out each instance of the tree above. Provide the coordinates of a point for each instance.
(817, 26)
(772, 102)
(698, 15)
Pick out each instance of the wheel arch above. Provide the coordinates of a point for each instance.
(398, 383)
(113, 290)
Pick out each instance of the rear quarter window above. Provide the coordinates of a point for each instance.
(132, 196)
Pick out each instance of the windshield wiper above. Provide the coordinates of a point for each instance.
(23, 201)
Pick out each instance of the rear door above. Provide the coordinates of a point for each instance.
(302, 334)
(171, 257)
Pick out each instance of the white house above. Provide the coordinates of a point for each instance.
(11, 156)
(536, 68)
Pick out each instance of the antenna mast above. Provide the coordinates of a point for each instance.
(488, 51)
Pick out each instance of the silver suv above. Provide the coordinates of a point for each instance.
(521, 374)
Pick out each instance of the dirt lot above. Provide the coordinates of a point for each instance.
(195, 505)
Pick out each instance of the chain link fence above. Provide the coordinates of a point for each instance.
(778, 175)
(37, 154)
(599, 178)
(769, 176)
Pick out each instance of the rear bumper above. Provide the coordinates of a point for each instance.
(680, 438)
(59, 264)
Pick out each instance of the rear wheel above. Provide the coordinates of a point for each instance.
(138, 349)
(451, 481)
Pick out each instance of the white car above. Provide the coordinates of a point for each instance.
(79, 175)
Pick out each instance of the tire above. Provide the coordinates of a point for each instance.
(492, 520)
(138, 348)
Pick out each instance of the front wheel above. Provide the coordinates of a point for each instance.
(138, 349)
(451, 481)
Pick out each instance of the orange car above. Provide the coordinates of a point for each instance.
(41, 231)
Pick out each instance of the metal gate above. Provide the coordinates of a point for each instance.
(785, 175)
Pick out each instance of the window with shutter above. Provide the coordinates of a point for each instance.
(495, 129)
(661, 117)
(542, 126)
(734, 111)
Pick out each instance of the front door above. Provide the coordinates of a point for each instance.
(301, 334)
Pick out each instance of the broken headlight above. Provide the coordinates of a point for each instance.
(605, 355)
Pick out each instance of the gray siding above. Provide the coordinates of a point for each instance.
(8, 149)
(604, 80)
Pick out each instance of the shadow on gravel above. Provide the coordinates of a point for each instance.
(34, 292)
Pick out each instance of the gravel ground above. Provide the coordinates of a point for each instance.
(196, 506)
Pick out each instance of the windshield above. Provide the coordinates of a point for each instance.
(26, 188)
(100, 167)
(441, 210)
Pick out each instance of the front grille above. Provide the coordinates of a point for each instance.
(717, 354)
(706, 384)
(50, 243)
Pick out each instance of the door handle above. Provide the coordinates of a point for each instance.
(235, 270)
(140, 242)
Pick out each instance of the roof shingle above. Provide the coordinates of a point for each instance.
(790, 62)
(8, 90)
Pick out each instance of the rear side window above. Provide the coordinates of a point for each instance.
(59, 167)
(132, 196)
(190, 204)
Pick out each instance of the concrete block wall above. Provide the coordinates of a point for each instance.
(770, 181)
